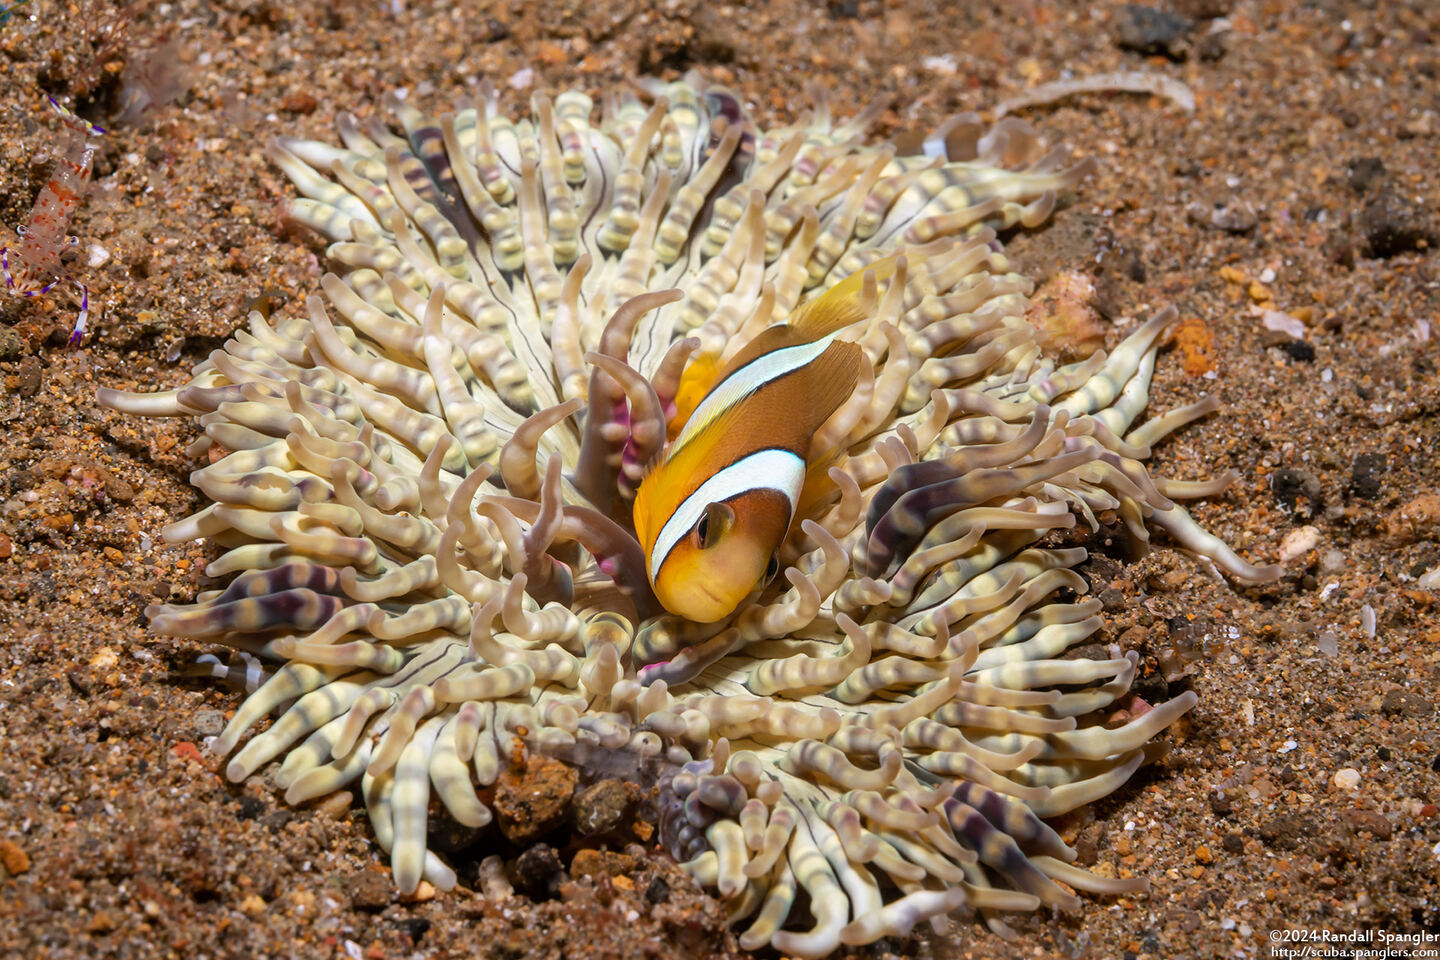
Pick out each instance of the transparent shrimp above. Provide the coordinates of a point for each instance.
(32, 267)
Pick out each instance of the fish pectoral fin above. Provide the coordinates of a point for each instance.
(771, 568)
(819, 489)
(841, 305)
(700, 376)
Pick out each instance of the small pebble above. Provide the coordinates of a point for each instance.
(1231, 215)
(425, 891)
(1367, 620)
(209, 723)
(600, 807)
(1298, 542)
(533, 799)
(1393, 223)
(1365, 475)
(1149, 30)
(538, 872)
(299, 101)
(15, 860)
(658, 891)
(944, 65)
(1347, 778)
(595, 863)
(1404, 703)
(1417, 519)
(1282, 322)
(335, 806)
(28, 378)
(1369, 821)
(1301, 350)
(371, 890)
(494, 885)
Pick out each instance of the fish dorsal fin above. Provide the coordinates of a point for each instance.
(814, 320)
(841, 305)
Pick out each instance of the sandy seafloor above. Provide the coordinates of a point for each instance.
(1319, 119)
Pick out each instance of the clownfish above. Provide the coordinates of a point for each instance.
(712, 514)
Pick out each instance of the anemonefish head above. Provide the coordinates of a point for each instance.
(729, 551)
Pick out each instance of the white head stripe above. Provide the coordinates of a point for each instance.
(778, 470)
(751, 377)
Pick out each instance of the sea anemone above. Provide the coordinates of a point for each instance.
(422, 496)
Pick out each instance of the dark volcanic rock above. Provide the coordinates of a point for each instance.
(1149, 30)
(538, 872)
(1391, 224)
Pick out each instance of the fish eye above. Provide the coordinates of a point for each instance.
(717, 518)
